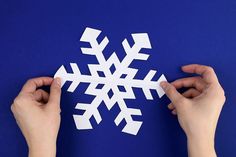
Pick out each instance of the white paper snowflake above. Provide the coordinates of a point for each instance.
(107, 87)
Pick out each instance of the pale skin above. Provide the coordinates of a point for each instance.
(198, 109)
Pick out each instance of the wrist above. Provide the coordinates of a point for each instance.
(201, 146)
(45, 150)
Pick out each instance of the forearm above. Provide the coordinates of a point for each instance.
(201, 147)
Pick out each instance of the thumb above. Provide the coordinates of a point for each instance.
(175, 97)
(55, 92)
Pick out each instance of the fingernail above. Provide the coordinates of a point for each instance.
(58, 81)
(164, 85)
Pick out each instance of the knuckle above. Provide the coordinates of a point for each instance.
(224, 98)
(58, 109)
(29, 80)
(219, 90)
(210, 69)
(222, 93)
(16, 101)
(12, 108)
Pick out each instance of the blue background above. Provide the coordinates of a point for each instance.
(37, 37)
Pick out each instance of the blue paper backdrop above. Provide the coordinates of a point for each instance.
(37, 37)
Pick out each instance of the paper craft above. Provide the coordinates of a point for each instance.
(111, 87)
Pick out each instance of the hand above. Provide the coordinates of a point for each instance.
(198, 108)
(38, 115)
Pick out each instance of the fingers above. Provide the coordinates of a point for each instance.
(55, 93)
(171, 92)
(174, 112)
(206, 72)
(196, 82)
(171, 106)
(32, 84)
(191, 93)
(41, 96)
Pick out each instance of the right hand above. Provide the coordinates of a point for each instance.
(198, 108)
(37, 113)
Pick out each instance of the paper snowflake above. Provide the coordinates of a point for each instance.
(111, 86)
